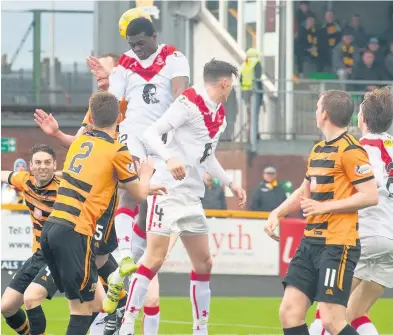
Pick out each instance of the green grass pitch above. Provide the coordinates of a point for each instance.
(228, 316)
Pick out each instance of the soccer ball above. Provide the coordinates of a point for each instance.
(128, 16)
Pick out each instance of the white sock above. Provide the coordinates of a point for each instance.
(200, 300)
(138, 242)
(137, 292)
(316, 327)
(151, 320)
(98, 325)
(124, 220)
(364, 326)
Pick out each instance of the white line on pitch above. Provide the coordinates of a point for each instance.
(221, 324)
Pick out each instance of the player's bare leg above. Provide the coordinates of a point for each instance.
(333, 317)
(316, 327)
(359, 305)
(157, 248)
(81, 312)
(198, 250)
(33, 297)
(151, 311)
(293, 309)
(15, 317)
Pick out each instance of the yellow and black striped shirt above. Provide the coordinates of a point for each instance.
(87, 194)
(39, 200)
(334, 168)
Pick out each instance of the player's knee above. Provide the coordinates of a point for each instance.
(204, 265)
(152, 300)
(8, 308)
(289, 314)
(33, 298)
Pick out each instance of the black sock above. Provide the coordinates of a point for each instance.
(93, 317)
(37, 320)
(142, 215)
(300, 330)
(122, 302)
(78, 325)
(109, 267)
(18, 322)
(348, 330)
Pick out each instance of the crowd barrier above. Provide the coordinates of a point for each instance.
(238, 243)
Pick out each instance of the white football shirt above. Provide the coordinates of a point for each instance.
(198, 123)
(147, 84)
(378, 220)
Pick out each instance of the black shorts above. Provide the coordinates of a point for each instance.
(323, 272)
(71, 259)
(34, 270)
(108, 246)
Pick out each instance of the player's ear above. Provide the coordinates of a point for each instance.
(31, 165)
(54, 165)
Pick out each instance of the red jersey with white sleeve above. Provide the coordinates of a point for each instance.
(377, 220)
(197, 123)
(147, 85)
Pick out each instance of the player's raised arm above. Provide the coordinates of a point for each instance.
(118, 77)
(181, 73)
(50, 126)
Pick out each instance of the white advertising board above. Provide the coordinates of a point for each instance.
(238, 246)
(16, 239)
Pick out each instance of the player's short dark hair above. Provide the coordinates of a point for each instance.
(104, 108)
(216, 69)
(339, 107)
(377, 110)
(113, 55)
(42, 148)
(140, 25)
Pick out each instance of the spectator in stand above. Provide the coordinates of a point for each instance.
(214, 194)
(389, 61)
(330, 36)
(368, 69)
(360, 38)
(303, 13)
(375, 48)
(345, 55)
(306, 48)
(269, 193)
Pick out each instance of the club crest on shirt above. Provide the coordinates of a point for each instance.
(388, 143)
(313, 183)
(363, 169)
(37, 213)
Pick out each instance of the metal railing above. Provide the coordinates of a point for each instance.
(271, 119)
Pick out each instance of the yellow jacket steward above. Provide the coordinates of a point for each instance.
(247, 69)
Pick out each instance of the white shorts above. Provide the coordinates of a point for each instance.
(376, 260)
(174, 213)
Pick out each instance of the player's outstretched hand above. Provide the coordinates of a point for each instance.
(46, 122)
(177, 168)
(96, 68)
(239, 193)
(312, 207)
(158, 190)
(271, 225)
